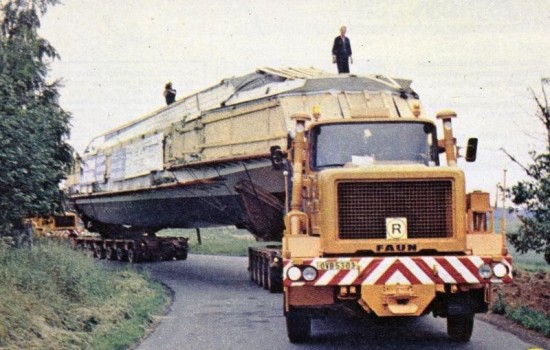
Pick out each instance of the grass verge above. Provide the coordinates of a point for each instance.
(54, 298)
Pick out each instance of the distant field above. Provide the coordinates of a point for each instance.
(528, 261)
(227, 240)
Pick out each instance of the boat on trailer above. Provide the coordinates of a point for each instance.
(206, 159)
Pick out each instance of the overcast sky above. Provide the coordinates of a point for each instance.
(477, 57)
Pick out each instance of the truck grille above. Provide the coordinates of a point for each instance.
(364, 207)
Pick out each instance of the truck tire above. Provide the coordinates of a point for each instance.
(460, 327)
(298, 327)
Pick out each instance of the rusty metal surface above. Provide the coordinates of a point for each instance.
(264, 211)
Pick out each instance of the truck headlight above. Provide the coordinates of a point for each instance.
(500, 270)
(485, 271)
(294, 273)
(309, 273)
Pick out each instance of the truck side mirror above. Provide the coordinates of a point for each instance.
(471, 150)
(277, 157)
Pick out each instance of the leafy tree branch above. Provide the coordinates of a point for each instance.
(34, 154)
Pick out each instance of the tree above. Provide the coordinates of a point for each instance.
(34, 154)
(533, 195)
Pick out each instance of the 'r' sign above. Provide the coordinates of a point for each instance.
(396, 228)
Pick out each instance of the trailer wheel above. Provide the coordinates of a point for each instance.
(460, 327)
(110, 253)
(260, 271)
(251, 271)
(132, 256)
(265, 273)
(89, 250)
(121, 254)
(256, 270)
(99, 252)
(82, 247)
(298, 327)
(275, 280)
(251, 263)
(181, 254)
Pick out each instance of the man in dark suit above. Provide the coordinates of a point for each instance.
(169, 93)
(341, 51)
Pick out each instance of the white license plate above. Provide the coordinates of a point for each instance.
(337, 265)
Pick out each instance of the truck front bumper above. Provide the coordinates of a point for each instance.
(390, 286)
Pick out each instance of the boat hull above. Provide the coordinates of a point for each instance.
(202, 202)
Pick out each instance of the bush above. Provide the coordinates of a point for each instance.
(527, 317)
(499, 305)
(530, 319)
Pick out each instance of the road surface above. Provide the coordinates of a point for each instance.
(217, 307)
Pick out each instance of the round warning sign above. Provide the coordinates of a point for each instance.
(396, 228)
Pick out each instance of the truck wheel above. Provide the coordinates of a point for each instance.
(460, 327)
(298, 327)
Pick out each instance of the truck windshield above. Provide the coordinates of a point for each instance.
(361, 144)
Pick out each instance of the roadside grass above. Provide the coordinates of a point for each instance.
(55, 298)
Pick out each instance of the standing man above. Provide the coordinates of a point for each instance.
(341, 51)
(169, 93)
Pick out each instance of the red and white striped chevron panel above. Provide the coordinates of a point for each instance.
(426, 270)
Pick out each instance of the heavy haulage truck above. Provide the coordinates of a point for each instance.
(377, 225)
(369, 218)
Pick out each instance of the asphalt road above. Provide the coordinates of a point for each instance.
(217, 307)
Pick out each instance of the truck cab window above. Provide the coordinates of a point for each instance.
(361, 144)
